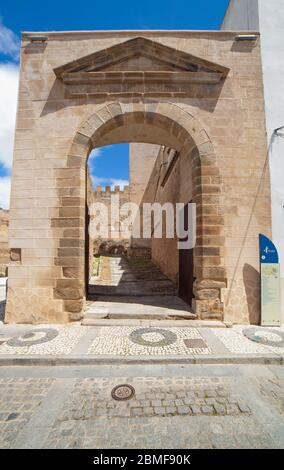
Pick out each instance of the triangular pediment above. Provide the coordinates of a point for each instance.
(140, 54)
(138, 67)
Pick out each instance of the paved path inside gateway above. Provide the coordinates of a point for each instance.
(172, 406)
(132, 289)
(118, 275)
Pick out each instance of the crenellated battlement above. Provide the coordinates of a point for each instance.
(104, 194)
(100, 190)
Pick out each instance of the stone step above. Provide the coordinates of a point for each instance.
(146, 323)
(127, 290)
(147, 315)
(154, 307)
(131, 287)
(145, 277)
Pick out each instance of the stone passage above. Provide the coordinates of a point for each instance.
(124, 276)
(132, 288)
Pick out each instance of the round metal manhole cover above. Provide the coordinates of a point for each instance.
(122, 392)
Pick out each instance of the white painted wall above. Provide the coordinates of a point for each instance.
(267, 16)
(241, 15)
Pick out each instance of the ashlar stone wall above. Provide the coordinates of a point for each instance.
(200, 93)
(117, 238)
(4, 248)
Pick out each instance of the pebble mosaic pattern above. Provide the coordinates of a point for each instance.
(236, 342)
(44, 341)
(130, 341)
(39, 336)
(153, 337)
(268, 337)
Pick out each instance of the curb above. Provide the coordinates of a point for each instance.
(36, 360)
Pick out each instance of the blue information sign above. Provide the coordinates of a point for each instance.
(270, 283)
(268, 251)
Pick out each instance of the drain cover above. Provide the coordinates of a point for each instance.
(122, 392)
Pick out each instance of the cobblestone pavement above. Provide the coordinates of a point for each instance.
(19, 398)
(153, 397)
(173, 407)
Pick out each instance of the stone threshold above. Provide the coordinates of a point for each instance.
(156, 323)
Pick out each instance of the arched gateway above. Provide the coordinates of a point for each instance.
(150, 89)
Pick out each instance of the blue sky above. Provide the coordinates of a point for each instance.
(109, 165)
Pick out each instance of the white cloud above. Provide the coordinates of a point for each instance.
(5, 184)
(101, 181)
(94, 154)
(9, 42)
(9, 74)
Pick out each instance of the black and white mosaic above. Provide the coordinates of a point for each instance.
(267, 336)
(41, 340)
(33, 337)
(153, 337)
(130, 341)
(252, 340)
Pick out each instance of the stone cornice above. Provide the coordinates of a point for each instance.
(120, 33)
(92, 84)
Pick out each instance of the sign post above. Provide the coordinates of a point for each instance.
(270, 283)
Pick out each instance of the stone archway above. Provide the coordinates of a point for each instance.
(182, 128)
(143, 80)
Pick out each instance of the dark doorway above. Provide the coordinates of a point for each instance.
(186, 278)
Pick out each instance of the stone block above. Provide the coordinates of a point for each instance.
(207, 294)
(74, 306)
(68, 293)
(16, 255)
(208, 309)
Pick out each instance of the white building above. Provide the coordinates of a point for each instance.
(267, 17)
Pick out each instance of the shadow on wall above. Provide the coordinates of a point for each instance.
(251, 278)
